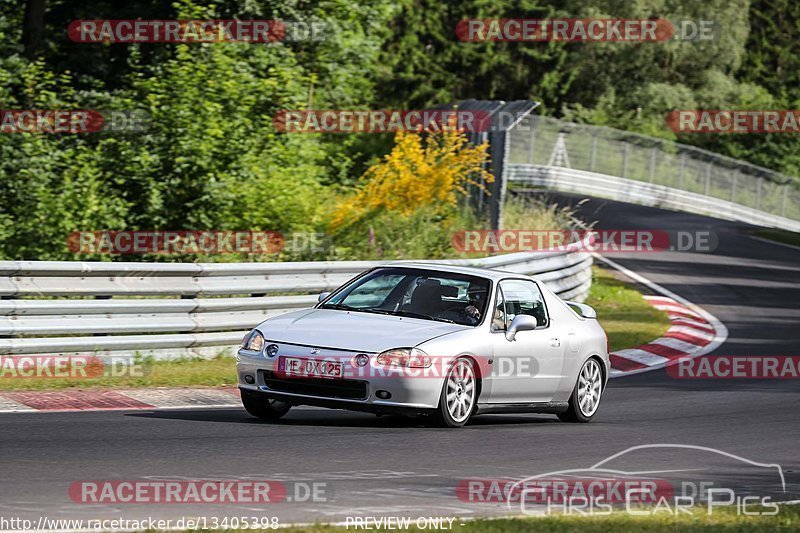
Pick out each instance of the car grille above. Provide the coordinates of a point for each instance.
(349, 389)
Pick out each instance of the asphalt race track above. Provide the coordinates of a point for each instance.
(394, 466)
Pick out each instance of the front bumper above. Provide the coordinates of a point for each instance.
(410, 392)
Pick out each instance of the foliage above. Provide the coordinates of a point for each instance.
(210, 157)
(749, 64)
(408, 204)
(434, 171)
(532, 213)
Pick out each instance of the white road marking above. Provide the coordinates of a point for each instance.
(721, 332)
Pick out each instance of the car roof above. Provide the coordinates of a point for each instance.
(458, 269)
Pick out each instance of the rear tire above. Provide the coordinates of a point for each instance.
(262, 407)
(459, 395)
(585, 400)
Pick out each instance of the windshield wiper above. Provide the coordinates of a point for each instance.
(341, 307)
(412, 314)
(345, 307)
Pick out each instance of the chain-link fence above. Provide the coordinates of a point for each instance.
(545, 141)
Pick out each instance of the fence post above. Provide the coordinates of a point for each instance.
(499, 151)
(733, 187)
(624, 159)
(652, 163)
(594, 152)
(708, 178)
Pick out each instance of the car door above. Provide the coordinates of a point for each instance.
(528, 368)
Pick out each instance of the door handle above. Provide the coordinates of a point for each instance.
(555, 342)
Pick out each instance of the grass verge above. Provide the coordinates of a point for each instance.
(778, 235)
(725, 519)
(217, 372)
(626, 316)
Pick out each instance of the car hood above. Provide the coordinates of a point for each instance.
(352, 330)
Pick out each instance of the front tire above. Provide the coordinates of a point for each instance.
(459, 395)
(262, 407)
(585, 399)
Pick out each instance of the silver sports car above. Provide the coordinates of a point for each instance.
(420, 339)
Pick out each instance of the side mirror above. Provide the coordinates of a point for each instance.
(521, 323)
(322, 296)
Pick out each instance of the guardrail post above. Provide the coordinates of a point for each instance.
(758, 193)
(708, 178)
(593, 154)
(101, 297)
(532, 144)
(683, 169)
(783, 202)
(624, 159)
(733, 187)
(652, 163)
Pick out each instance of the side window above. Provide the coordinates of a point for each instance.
(520, 297)
(499, 311)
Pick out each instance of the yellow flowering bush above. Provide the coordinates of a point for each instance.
(418, 173)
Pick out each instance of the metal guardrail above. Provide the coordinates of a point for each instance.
(636, 192)
(662, 173)
(168, 310)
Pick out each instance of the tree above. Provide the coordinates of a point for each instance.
(33, 27)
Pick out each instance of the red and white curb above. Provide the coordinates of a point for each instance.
(694, 331)
(689, 334)
(106, 400)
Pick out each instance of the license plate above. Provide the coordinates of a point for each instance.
(314, 368)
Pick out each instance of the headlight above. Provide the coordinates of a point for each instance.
(253, 341)
(406, 357)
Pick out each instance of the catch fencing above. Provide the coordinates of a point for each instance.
(624, 166)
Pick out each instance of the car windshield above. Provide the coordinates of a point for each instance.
(416, 293)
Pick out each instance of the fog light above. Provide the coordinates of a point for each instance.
(383, 394)
(361, 359)
(249, 379)
(272, 349)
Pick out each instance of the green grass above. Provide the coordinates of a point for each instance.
(722, 520)
(778, 235)
(626, 316)
(217, 372)
(527, 213)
